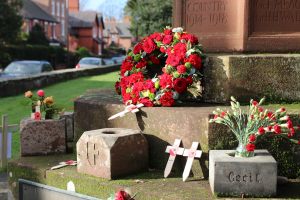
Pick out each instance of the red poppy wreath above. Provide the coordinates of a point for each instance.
(161, 69)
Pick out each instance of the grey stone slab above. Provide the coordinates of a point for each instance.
(42, 137)
(235, 176)
(112, 152)
(69, 120)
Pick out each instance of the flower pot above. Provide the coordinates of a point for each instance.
(235, 176)
(42, 137)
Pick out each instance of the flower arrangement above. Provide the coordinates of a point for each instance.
(250, 125)
(46, 105)
(161, 69)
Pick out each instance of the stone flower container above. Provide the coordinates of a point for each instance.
(112, 152)
(42, 137)
(238, 176)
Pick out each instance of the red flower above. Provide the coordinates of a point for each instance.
(154, 60)
(167, 31)
(195, 60)
(167, 99)
(180, 50)
(137, 88)
(289, 124)
(147, 102)
(216, 116)
(223, 114)
(254, 103)
(122, 195)
(165, 81)
(250, 147)
(37, 116)
(162, 49)
(40, 93)
(118, 88)
(167, 39)
(282, 109)
(277, 129)
(180, 85)
(137, 77)
(126, 66)
(173, 60)
(261, 130)
(270, 128)
(156, 36)
(141, 64)
(260, 109)
(292, 131)
(252, 138)
(149, 85)
(189, 80)
(189, 37)
(148, 45)
(138, 48)
(181, 69)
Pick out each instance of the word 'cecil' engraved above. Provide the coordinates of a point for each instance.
(246, 178)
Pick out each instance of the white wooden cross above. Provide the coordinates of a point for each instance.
(63, 164)
(6, 131)
(131, 108)
(173, 151)
(37, 110)
(191, 154)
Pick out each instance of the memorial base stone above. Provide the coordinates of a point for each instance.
(42, 137)
(237, 176)
(112, 152)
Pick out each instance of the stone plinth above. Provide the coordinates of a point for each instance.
(112, 152)
(42, 137)
(241, 25)
(234, 176)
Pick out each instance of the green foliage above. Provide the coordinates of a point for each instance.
(37, 36)
(83, 52)
(10, 20)
(148, 16)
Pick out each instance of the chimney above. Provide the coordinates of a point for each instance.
(73, 5)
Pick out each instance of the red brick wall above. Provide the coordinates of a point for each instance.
(74, 5)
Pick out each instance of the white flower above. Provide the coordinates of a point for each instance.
(177, 30)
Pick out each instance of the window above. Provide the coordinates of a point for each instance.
(63, 27)
(94, 31)
(63, 10)
(57, 9)
(53, 30)
(53, 7)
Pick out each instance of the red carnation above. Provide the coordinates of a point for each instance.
(181, 69)
(147, 102)
(156, 36)
(136, 77)
(282, 110)
(165, 81)
(252, 138)
(254, 103)
(292, 131)
(167, 31)
(173, 60)
(167, 99)
(189, 80)
(141, 64)
(37, 116)
(261, 130)
(167, 39)
(277, 129)
(162, 49)
(148, 45)
(137, 88)
(126, 97)
(137, 48)
(250, 147)
(189, 37)
(180, 50)
(122, 195)
(223, 114)
(149, 85)
(289, 124)
(180, 85)
(154, 60)
(195, 60)
(126, 66)
(260, 109)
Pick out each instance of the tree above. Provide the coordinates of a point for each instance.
(37, 36)
(148, 16)
(10, 20)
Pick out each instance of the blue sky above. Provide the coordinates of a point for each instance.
(107, 7)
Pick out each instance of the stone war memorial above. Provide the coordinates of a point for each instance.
(187, 118)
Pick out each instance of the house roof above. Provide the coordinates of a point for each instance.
(120, 28)
(84, 19)
(31, 10)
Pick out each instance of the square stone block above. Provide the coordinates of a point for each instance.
(112, 152)
(42, 137)
(234, 176)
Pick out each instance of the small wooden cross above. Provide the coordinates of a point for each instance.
(173, 151)
(191, 154)
(94, 152)
(130, 108)
(63, 164)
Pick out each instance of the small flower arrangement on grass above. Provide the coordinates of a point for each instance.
(161, 69)
(249, 125)
(40, 103)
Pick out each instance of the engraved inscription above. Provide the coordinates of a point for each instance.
(92, 153)
(244, 178)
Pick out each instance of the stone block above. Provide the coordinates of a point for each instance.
(69, 124)
(42, 137)
(112, 152)
(236, 176)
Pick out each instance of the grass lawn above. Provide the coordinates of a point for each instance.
(18, 107)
